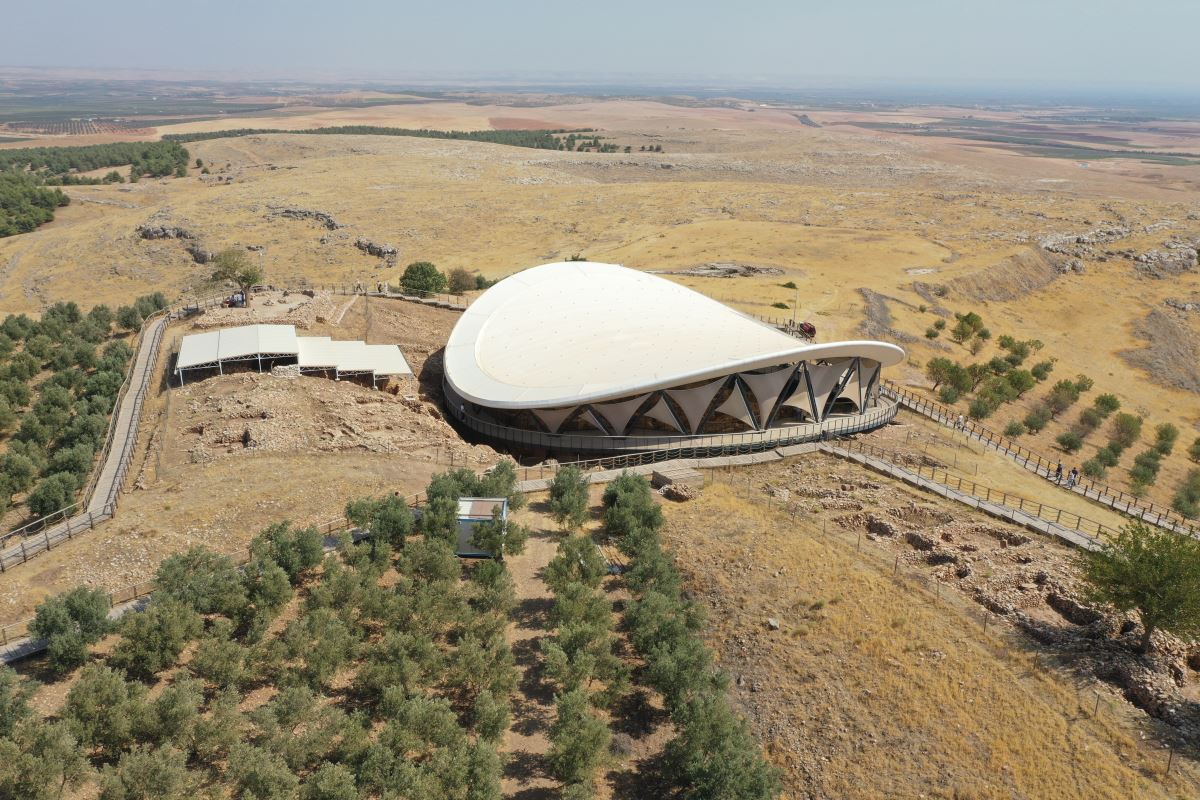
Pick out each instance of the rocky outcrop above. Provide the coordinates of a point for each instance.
(726, 269)
(679, 492)
(378, 250)
(1167, 263)
(164, 232)
(1080, 245)
(288, 212)
(199, 254)
(1187, 307)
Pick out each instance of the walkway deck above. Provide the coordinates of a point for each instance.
(117, 455)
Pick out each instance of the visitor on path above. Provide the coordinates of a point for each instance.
(1058, 473)
(1073, 477)
(962, 423)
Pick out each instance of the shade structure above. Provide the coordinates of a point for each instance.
(211, 349)
(579, 351)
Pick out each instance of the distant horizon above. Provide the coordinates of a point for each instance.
(1073, 46)
(845, 89)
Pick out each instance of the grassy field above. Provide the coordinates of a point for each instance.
(872, 687)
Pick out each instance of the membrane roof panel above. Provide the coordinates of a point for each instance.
(317, 352)
(575, 332)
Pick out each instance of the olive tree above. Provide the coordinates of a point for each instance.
(70, 622)
(1153, 572)
(569, 498)
(422, 277)
(233, 265)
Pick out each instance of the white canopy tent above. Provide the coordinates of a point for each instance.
(214, 349)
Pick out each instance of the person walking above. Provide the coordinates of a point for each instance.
(1073, 477)
(1058, 473)
(962, 423)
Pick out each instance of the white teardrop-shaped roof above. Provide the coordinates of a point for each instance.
(577, 332)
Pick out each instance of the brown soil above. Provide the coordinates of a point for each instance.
(319, 444)
(875, 686)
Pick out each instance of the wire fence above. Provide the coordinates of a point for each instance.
(1150, 512)
(20, 630)
(1061, 517)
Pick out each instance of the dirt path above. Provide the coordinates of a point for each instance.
(525, 743)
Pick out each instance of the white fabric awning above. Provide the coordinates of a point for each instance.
(211, 348)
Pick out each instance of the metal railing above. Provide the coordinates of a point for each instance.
(1048, 513)
(678, 446)
(85, 501)
(449, 300)
(1150, 512)
(19, 630)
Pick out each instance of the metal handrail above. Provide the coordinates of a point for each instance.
(679, 446)
(1117, 500)
(986, 493)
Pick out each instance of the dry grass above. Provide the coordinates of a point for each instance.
(972, 461)
(874, 689)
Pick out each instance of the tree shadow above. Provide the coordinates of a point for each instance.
(532, 613)
(525, 766)
(641, 779)
(635, 716)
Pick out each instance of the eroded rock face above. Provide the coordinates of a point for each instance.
(321, 217)
(1071, 609)
(679, 492)
(164, 232)
(378, 250)
(1166, 263)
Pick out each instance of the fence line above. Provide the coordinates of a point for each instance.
(241, 556)
(677, 446)
(1148, 511)
(1058, 516)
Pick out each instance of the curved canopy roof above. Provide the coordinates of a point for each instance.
(577, 332)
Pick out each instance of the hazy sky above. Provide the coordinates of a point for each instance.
(1046, 43)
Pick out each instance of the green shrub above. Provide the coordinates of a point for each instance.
(1062, 396)
(949, 395)
(578, 560)
(1187, 498)
(15, 693)
(1126, 428)
(259, 774)
(569, 498)
(981, 408)
(296, 550)
(499, 537)
(931, 333)
(146, 772)
(1194, 450)
(1106, 404)
(70, 622)
(1083, 384)
(422, 277)
(1108, 456)
(103, 710)
(780, 305)
(152, 640)
(330, 782)
(1070, 441)
(53, 494)
(1021, 380)
(1090, 419)
(202, 580)
(714, 755)
(1094, 469)
(1165, 436)
(1041, 370)
(1014, 429)
(578, 739)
